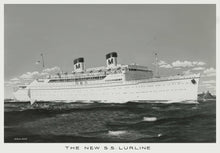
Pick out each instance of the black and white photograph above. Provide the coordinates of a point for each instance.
(110, 73)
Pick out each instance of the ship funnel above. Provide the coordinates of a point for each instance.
(111, 59)
(79, 64)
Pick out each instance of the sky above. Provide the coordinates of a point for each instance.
(183, 36)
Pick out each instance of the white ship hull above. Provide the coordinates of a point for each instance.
(179, 88)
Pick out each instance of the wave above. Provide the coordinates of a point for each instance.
(150, 122)
(180, 120)
(93, 101)
(178, 101)
(190, 102)
(107, 102)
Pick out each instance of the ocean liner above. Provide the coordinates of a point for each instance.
(111, 83)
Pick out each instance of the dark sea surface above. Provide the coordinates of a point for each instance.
(49, 122)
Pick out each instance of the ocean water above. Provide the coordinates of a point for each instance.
(48, 122)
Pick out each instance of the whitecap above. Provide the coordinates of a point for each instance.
(159, 135)
(190, 102)
(149, 119)
(116, 133)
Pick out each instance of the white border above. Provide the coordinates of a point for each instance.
(60, 147)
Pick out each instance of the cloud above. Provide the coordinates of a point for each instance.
(167, 66)
(8, 83)
(163, 64)
(187, 63)
(209, 72)
(14, 79)
(198, 63)
(181, 64)
(12, 82)
(30, 76)
(52, 70)
(177, 68)
(187, 72)
(36, 74)
(198, 68)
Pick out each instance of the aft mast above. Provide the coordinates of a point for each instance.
(156, 66)
(42, 56)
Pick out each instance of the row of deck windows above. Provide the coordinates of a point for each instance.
(77, 79)
(130, 69)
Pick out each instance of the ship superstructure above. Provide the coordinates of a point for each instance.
(110, 83)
